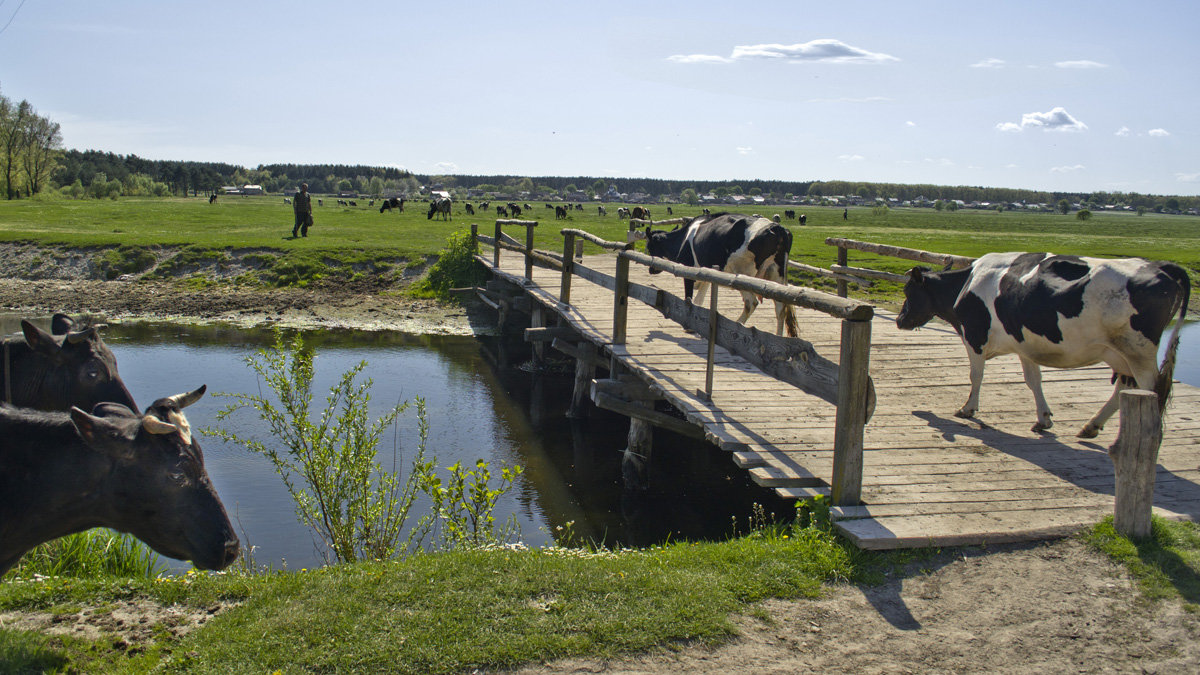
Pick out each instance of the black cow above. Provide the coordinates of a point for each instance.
(733, 243)
(470, 209)
(1059, 311)
(514, 210)
(440, 206)
(62, 473)
(72, 367)
(640, 213)
(560, 213)
(502, 211)
(789, 214)
(803, 219)
(392, 203)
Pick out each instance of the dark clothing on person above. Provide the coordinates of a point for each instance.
(302, 206)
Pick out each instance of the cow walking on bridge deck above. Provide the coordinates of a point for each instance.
(733, 243)
(1059, 311)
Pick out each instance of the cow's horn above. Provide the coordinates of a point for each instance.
(156, 426)
(79, 336)
(184, 400)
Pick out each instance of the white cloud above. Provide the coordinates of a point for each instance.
(1159, 133)
(989, 63)
(1080, 65)
(742, 150)
(1123, 131)
(861, 99)
(1188, 177)
(1067, 169)
(446, 167)
(698, 58)
(910, 123)
(823, 51)
(1057, 119)
(851, 158)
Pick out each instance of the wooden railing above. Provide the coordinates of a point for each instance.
(845, 384)
(844, 273)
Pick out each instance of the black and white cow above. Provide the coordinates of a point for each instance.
(1059, 311)
(733, 243)
(439, 206)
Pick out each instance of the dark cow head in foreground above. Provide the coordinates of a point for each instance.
(731, 243)
(71, 367)
(62, 473)
(1058, 311)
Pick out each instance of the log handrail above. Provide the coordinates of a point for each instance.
(842, 267)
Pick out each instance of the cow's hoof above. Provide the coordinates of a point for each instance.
(965, 414)
(1090, 431)
(1039, 427)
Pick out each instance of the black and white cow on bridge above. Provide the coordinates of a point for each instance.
(1059, 311)
(733, 243)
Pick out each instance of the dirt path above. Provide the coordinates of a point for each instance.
(1045, 608)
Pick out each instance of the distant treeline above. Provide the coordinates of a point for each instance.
(181, 177)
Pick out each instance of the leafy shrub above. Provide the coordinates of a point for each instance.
(455, 267)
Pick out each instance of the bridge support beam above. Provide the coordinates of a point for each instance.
(1135, 457)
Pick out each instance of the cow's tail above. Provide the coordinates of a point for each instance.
(1166, 371)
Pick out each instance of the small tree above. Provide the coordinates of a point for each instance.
(1064, 207)
(690, 197)
(1083, 215)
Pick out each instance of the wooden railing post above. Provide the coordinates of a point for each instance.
(529, 250)
(1135, 457)
(496, 246)
(474, 239)
(621, 300)
(843, 259)
(713, 318)
(852, 404)
(568, 270)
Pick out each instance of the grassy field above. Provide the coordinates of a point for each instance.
(346, 234)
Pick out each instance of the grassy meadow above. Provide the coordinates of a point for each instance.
(345, 234)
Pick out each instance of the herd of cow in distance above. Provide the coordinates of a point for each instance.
(76, 453)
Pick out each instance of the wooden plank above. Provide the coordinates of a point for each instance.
(964, 529)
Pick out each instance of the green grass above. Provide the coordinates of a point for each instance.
(1166, 564)
(448, 612)
(349, 240)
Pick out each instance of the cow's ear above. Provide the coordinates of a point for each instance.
(102, 434)
(917, 274)
(40, 341)
(647, 231)
(61, 324)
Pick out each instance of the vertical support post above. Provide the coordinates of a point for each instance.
(538, 320)
(621, 301)
(842, 259)
(713, 317)
(496, 251)
(1135, 458)
(568, 270)
(585, 371)
(529, 250)
(474, 239)
(853, 379)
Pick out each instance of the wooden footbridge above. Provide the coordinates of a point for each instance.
(854, 409)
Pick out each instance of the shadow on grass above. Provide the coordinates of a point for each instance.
(1165, 564)
(28, 652)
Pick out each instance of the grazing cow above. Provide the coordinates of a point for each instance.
(775, 218)
(62, 473)
(640, 213)
(502, 211)
(392, 203)
(706, 212)
(371, 203)
(600, 210)
(470, 209)
(803, 219)
(320, 202)
(484, 206)
(439, 206)
(732, 243)
(54, 372)
(212, 198)
(789, 214)
(528, 207)
(622, 212)
(670, 212)
(560, 213)
(514, 210)
(1059, 311)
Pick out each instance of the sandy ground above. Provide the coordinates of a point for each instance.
(1047, 608)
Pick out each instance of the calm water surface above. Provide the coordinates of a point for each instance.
(476, 409)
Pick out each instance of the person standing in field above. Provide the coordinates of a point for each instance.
(302, 206)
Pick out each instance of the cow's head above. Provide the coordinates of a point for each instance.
(918, 306)
(158, 488)
(432, 210)
(80, 370)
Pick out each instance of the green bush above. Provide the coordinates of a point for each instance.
(456, 267)
(114, 262)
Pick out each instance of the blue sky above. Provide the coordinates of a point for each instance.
(1080, 96)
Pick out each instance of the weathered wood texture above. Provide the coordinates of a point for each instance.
(929, 478)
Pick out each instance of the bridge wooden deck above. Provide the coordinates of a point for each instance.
(929, 478)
